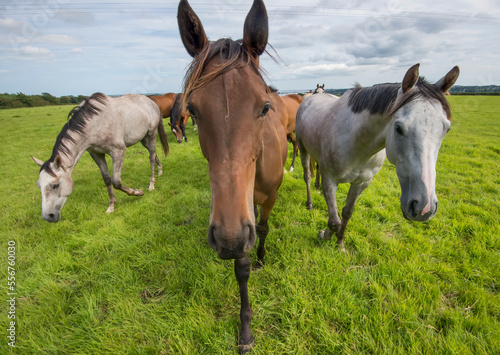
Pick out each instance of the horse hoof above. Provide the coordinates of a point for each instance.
(138, 192)
(291, 168)
(243, 349)
(151, 187)
(340, 247)
(309, 206)
(323, 235)
(110, 209)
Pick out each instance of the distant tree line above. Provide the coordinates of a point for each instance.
(456, 90)
(45, 99)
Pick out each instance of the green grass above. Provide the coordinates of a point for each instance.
(144, 281)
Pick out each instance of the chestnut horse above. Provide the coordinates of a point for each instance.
(241, 138)
(291, 104)
(164, 102)
(178, 119)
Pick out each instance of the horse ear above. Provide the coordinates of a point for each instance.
(446, 82)
(37, 161)
(256, 29)
(191, 29)
(411, 78)
(57, 162)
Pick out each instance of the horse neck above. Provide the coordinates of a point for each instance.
(73, 151)
(372, 131)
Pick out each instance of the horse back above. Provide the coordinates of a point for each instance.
(132, 117)
(164, 102)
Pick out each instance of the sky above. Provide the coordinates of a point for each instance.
(80, 47)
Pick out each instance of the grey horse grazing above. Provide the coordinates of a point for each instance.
(101, 125)
(349, 137)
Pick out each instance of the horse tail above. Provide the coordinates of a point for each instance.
(163, 137)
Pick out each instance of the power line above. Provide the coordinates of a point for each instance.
(123, 8)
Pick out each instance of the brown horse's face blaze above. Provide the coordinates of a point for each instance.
(230, 111)
(176, 130)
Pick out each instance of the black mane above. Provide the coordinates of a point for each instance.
(381, 98)
(175, 112)
(77, 120)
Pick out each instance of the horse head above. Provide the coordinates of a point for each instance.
(227, 95)
(320, 89)
(420, 120)
(56, 185)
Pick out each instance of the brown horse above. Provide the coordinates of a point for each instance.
(240, 136)
(164, 102)
(179, 117)
(291, 105)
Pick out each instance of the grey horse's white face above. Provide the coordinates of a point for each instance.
(413, 141)
(55, 189)
(413, 144)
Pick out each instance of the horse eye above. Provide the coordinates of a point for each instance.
(265, 109)
(55, 186)
(399, 130)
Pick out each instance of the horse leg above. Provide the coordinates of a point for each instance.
(330, 193)
(100, 160)
(317, 183)
(262, 228)
(305, 159)
(355, 191)
(183, 129)
(295, 150)
(149, 142)
(118, 157)
(242, 272)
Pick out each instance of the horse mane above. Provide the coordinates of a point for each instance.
(176, 111)
(381, 98)
(272, 89)
(77, 120)
(232, 54)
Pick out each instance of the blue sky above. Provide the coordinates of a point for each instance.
(79, 47)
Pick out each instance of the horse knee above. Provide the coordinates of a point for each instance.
(117, 184)
(334, 226)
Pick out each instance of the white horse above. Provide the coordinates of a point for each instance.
(347, 136)
(101, 125)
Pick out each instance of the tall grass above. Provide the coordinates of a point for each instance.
(144, 281)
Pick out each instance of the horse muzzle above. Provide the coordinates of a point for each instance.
(232, 244)
(417, 211)
(51, 217)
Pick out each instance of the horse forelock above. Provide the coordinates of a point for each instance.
(426, 90)
(232, 54)
(383, 99)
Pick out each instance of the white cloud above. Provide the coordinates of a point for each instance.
(34, 51)
(56, 39)
(76, 50)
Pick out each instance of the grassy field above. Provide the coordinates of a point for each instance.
(144, 281)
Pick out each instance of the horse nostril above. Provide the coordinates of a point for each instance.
(413, 208)
(52, 216)
(211, 237)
